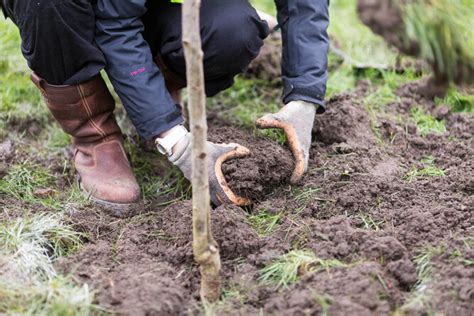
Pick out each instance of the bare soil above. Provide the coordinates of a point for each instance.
(362, 211)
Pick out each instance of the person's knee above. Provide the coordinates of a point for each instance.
(232, 40)
(232, 35)
(62, 51)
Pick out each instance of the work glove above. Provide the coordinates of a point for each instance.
(217, 155)
(296, 120)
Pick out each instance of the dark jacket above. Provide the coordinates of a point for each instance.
(131, 69)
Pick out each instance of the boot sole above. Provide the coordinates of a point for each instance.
(115, 209)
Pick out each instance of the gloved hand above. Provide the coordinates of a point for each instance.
(218, 154)
(296, 119)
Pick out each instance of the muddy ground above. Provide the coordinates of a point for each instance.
(360, 209)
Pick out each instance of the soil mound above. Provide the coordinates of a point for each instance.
(231, 231)
(343, 291)
(345, 123)
(135, 263)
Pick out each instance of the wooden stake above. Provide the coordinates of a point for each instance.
(206, 252)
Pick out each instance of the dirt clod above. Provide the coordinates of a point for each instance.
(268, 165)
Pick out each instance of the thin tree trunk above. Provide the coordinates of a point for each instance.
(205, 248)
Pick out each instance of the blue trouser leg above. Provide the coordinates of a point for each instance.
(305, 47)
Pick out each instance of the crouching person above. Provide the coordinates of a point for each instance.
(68, 42)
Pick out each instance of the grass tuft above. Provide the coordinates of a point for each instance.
(24, 179)
(290, 267)
(428, 170)
(426, 124)
(420, 295)
(29, 284)
(457, 101)
(58, 296)
(31, 244)
(264, 222)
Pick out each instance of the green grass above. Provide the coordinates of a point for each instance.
(10, 42)
(288, 268)
(158, 179)
(267, 6)
(382, 85)
(369, 223)
(55, 137)
(378, 97)
(24, 179)
(34, 241)
(358, 43)
(20, 101)
(457, 101)
(340, 80)
(31, 183)
(246, 101)
(420, 296)
(427, 124)
(29, 284)
(19, 98)
(264, 222)
(429, 169)
(57, 297)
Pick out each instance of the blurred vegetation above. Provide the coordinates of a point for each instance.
(444, 31)
(19, 99)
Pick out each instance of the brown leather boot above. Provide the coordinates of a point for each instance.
(85, 112)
